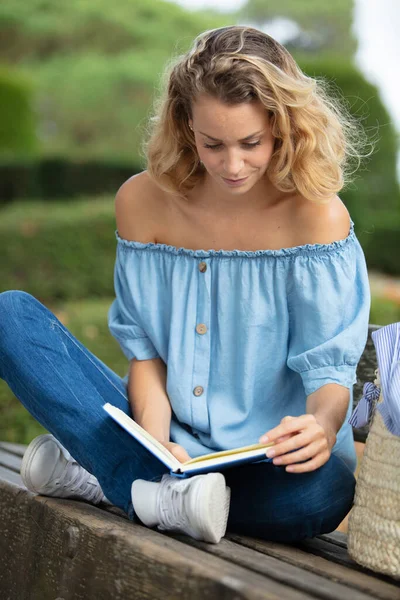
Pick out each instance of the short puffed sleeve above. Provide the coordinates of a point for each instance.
(328, 297)
(123, 318)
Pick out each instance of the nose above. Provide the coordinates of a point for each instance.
(233, 165)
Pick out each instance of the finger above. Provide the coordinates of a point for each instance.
(293, 443)
(266, 437)
(306, 453)
(284, 437)
(313, 432)
(310, 465)
(288, 426)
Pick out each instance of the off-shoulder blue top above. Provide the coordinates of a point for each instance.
(246, 335)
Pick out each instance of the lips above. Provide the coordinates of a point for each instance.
(234, 180)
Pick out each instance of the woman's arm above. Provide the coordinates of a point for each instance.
(147, 378)
(148, 398)
(329, 406)
(150, 404)
(329, 302)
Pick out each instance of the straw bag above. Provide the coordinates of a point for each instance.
(374, 521)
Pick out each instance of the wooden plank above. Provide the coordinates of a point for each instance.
(363, 580)
(10, 477)
(336, 537)
(10, 461)
(335, 553)
(315, 585)
(17, 449)
(69, 550)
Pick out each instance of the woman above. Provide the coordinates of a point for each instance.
(242, 303)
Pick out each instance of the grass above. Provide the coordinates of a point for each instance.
(20, 214)
(384, 311)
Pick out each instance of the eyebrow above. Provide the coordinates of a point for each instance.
(242, 140)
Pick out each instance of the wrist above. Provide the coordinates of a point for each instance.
(328, 428)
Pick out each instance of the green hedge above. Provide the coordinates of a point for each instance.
(381, 241)
(60, 178)
(67, 251)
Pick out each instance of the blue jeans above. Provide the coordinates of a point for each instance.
(64, 387)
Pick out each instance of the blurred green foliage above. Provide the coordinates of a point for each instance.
(373, 197)
(329, 23)
(381, 240)
(17, 118)
(384, 311)
(65, 251)
(57, 177)
(325, 26)
(96, 65)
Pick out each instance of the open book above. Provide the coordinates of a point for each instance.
(201, 464)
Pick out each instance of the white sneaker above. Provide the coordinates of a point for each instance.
(48, 469)
(197, 506)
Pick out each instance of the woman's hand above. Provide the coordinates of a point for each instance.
(299, 439)
(178, 451)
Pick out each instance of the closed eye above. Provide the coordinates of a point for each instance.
(248, 146)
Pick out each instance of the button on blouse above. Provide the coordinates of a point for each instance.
(246, 335)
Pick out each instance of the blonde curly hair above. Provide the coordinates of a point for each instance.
(315, 135)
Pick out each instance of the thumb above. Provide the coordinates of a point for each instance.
(178, 451)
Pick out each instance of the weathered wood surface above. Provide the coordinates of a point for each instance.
(72, 550)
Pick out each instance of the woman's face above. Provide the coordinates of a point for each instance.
(233, 142)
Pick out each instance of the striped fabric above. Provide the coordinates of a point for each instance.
(387, 345)
(363, 410)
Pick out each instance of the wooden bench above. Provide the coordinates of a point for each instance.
(63, 550)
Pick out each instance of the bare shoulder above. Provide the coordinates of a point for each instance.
(137, 208)
(314, 223)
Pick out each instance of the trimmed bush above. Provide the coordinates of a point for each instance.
(67, 252)
(381, 241)
(60, 178)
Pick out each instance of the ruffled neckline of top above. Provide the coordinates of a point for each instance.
(291, 251)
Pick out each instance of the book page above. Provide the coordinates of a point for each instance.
(202, 466)
(232, 452)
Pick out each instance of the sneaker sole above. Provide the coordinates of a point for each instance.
(213, 507)
(29, 456)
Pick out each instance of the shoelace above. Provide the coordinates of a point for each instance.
(79, 482)
(171, 506)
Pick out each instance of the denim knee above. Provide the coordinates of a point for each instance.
(288, 507)
(11, 301)
(324, 503)
(12, 311)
